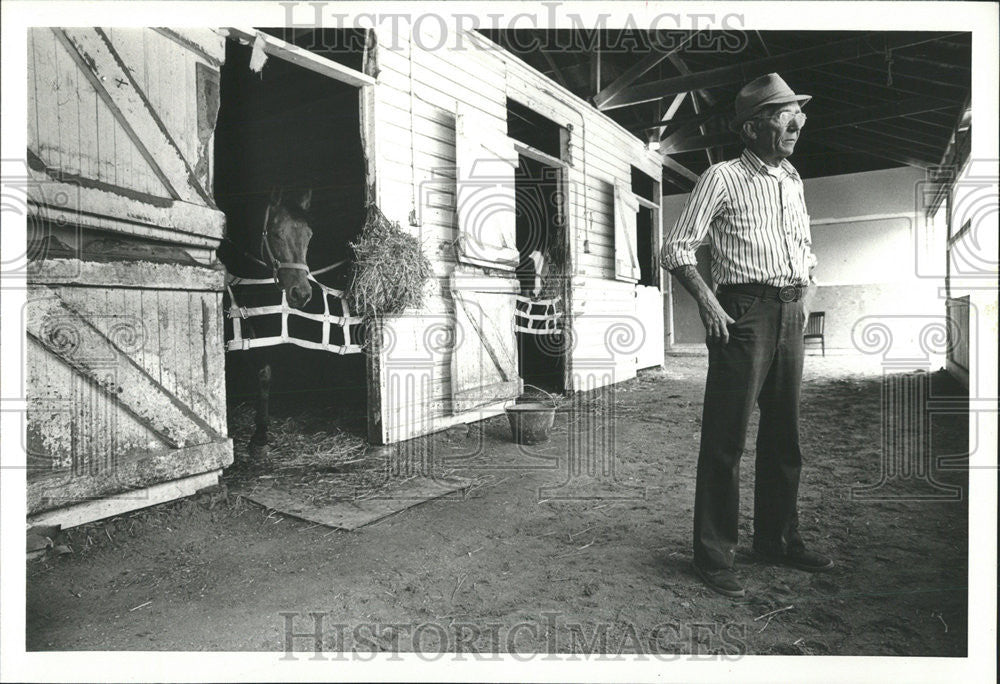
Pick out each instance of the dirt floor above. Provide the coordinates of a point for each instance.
(593, 563)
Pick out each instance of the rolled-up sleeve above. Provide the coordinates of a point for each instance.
(705, 203)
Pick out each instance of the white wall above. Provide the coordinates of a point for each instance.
(872, 248)
(868, 235)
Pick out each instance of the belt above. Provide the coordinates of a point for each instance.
(788, 293)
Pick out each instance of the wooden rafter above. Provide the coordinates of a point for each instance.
(854, 117)
(680, 170)
(890, 154)
(910, 140)
(635, 71)
(595, 69)
(710, 152)
(682, 67)
(843, 87)
(839, 51)
(556, 72)
(671, 112)
(862, 141)
(910, 130)
(860, 72)
(673, 143)
(675, 122)
(939, 64)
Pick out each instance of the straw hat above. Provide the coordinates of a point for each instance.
(761, 92)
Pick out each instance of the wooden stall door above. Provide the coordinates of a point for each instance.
(484, 363)
(485, 162)
(649, 311)
(126, 386)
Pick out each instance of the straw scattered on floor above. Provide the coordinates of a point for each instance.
(322, 466)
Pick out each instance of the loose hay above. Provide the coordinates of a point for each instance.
(322, 467)
(390, 269)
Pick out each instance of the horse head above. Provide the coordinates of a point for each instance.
(286, 243)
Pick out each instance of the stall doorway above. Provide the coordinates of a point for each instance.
(541, 244)
(291, 128)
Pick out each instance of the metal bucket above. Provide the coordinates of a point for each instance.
(531, 417)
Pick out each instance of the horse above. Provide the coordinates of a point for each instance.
(281, 251)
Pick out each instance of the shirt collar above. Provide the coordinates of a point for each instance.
(755, 164)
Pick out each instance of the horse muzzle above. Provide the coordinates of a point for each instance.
(299, 295)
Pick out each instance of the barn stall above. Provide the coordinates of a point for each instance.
(488, 161)
(539, 214)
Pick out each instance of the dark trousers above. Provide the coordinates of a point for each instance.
(762, 363)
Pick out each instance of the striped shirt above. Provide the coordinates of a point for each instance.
(756, 219)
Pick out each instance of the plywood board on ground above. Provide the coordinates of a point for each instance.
(352, 514)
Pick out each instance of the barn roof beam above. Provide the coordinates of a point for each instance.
(674, 142)
(829, 53)
(840, 85)
(844, 76)
(557, 73)
(923, 119)
(853, 117)
(595, 69)
(668, 117)
(634, 72)
(703, 115)
(892, 154)
(923, 73)
(875, 130)
(880, 144)
(681, 176)
(908, 130)
(710, 152)
(682, 67)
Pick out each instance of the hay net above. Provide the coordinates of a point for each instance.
(271, 321)
(538, 316)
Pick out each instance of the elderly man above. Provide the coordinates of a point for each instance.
(753, 210)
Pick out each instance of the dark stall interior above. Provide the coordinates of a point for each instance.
(291, 129)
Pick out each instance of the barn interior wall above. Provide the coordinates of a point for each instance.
(413, 110)
(971, 264)
(870, 241)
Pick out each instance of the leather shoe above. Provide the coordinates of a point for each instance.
(722, 580)
(797, 557)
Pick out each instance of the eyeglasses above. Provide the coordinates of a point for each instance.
(785, 118)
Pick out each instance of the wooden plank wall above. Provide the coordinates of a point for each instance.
(172, 335)
(77, 136)
(413, 130)
(414, 138)
(126, 381)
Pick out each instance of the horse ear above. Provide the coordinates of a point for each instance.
(275, 198)
(306, 199)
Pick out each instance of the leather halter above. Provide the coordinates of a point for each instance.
(265, 246)
(269, 260)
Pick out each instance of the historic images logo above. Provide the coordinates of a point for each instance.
(311, 635)
(533, 28)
